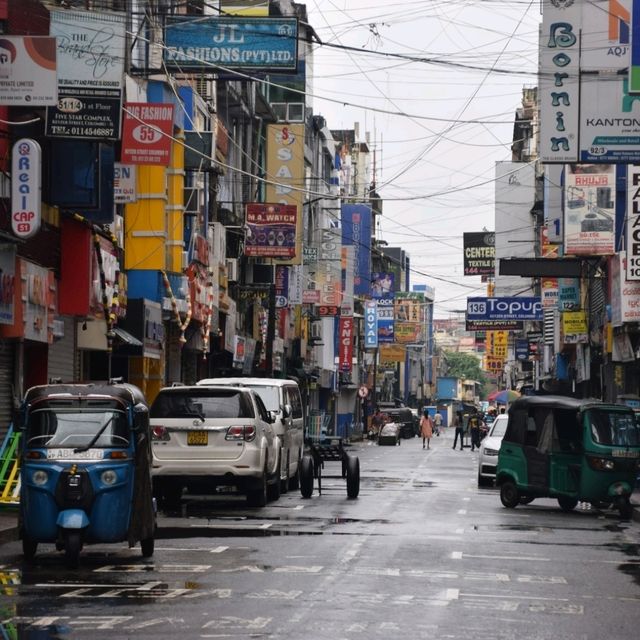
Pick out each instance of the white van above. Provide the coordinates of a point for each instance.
(282, 397)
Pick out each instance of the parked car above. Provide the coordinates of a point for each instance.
(389, 434)
(205, 437)
(403, 417)
(489, 449)
(282, 397)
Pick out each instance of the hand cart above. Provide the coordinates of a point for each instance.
(313, 461)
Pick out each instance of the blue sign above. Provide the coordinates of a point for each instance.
(211, 44)
(356, 232)
(522, 349)
(504, 309)
(370, 325)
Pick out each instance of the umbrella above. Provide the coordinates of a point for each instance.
(503, 397)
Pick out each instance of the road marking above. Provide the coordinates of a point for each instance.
(459, 531)
(462, 512)
(456, 555)
(466, 499)
(218, 549)
(167, 568)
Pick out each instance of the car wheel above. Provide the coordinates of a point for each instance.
(526, 499)
(284, 483)
(353, 477)
(258, 497)
(509, 495)
(567, 504)
(294, 480)
(29, 547)
(273, 488)
(306, 476)
(147, 546)
(72, 547)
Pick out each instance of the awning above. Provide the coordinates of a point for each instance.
(126, 337)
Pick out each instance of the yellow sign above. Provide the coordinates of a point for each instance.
(392, 353)
(285, 175)
(574, 322)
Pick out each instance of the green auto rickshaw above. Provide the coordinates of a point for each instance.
(574, 450)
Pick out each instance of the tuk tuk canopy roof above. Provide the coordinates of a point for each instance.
(553, 402)
(123, 392)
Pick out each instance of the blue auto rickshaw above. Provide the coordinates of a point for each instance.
(85, 468)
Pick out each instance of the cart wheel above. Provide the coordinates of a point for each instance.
(353, 477)
(306, 476)
(72, 546)
(147, 546)
(509, 495)
(344, 466)
(29, 547)
(567, 504)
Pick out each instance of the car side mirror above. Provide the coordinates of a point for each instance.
(140, 417)
(272, 416)
(287, 410)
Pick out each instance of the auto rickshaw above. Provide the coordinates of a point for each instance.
(574, 450)
(85, 468)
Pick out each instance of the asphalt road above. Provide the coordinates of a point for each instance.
(422, 553)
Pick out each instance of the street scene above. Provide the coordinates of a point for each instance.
(421, 551)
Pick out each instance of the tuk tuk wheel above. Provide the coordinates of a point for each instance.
(147, 546)
(72, 547)
(526, 499)
(626, 509)
(353, 477)
(306, 476)
(29, 547)
(567, 504)
(509, 495)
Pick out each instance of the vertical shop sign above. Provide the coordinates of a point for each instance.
(346, 343)
(26, 185)
(370, 324)
(7, 283)
(633, 220)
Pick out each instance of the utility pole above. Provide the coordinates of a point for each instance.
(271, 330)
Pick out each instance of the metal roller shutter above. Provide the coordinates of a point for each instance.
(7, 350)
(62, 360)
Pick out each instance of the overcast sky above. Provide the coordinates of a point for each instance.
(435, 162)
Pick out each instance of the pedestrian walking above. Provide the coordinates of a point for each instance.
(437, 423)
(459, 430)
(377, 422)
(426, 429)
(474, 431)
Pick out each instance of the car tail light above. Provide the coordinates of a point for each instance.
(160, 434)
(246, 433)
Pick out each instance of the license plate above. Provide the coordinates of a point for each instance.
(198, 438)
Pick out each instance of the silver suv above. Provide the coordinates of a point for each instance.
(209, 436)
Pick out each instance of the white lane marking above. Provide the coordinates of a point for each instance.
(529, 558)
(466, 499)
(218, 549)
(168, 568)
(298, 508)
(459, 531)
(462, 512)
(266, 525)
(456, 555)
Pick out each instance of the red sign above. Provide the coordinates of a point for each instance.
(147, 132)
(271, 230)
(328, 310)
(345, 337)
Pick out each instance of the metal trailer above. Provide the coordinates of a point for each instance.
(312, 464)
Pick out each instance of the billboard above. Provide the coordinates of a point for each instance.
(479, 253)
(28, 71)
(211, 43)
(589, 209)
(270, 230)
(147, 133)
(356, 232)
(525, 308)
(285, 175)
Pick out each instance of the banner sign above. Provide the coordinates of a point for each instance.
(124, 183)
(271, 230)
(589, 209)
(345, 338)
(479, 253)
(528, 308)
(28, 71)
(390, 354)
(385, 320)
(633, 219)
(568, 294)
(574, 327)
(7, 283)
(211, 44)
(382, 285)
(409, 312)
(356, 232)
(370, 325)
(147, 133)
(522, 349)
(493, 325)
(26, 187)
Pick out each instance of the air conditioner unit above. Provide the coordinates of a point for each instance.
(295, 112)
(316, 330)
(232, 269)
(280, 109)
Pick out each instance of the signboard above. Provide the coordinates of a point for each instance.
(385, 320)
(329, 268)
(147, 133)
(26, 186)
(625, 294)
(525, 308)
(211, 44)
(589, 209)
(493, 325)
(574, 326)
(568, 294)
(633, 220)
(28, 71)
(382, 284)
(390, 354)
(271, 230)
(345, 342)
(370, 325)
(356, 232)
(91, 54)
(124, 183)
(522, 349)
(479, 253)
(7, 283)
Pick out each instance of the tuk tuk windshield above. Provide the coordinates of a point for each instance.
(613, 428)
(47, 428)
